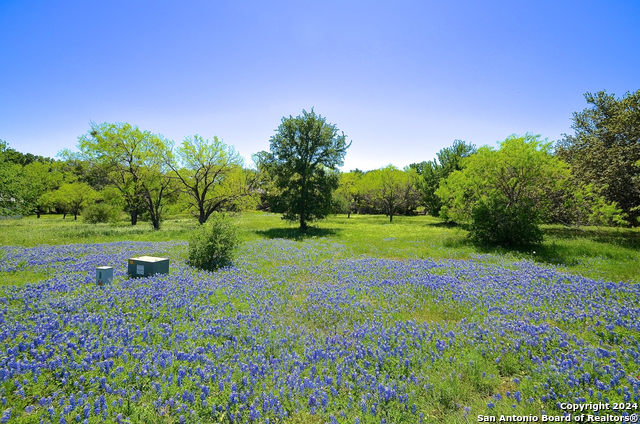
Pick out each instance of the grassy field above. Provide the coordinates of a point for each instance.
(606, 253)
(356, 321)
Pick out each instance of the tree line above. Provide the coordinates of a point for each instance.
(120, 168)
(501, 194)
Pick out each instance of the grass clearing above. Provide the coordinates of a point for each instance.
(605, 253)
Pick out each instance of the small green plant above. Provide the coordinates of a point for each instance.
(212, 245)
(101, 212)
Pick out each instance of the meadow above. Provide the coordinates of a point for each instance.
(356, 321)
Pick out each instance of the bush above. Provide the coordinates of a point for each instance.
(339, 204)
(100, 212)
(494, 222)
(212, 245)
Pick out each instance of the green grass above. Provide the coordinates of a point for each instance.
(53, 229)
(606, 253)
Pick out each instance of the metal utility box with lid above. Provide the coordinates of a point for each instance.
(145, 266)
(104, 275)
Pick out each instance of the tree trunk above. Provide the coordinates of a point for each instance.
(348, 214)
(38, 214)
(134, 217)
(303, 203)
(75, 216)
(154, 211)
(391, 217)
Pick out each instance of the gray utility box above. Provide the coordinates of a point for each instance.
(104, 275)
(144, 266)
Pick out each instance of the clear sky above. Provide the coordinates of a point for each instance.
(402, 79)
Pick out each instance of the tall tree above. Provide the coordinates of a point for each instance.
(303, 159)
(211, 174)
(605, 148)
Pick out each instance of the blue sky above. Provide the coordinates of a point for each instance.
(402, 79)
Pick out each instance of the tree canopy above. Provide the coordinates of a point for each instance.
(433, 172)
(391, 189)
(303, 159)
(133, 161)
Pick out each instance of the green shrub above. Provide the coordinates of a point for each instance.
(339, 204)
(100, 212)
(494, 222)
(212, 245)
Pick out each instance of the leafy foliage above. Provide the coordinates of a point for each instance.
(304, 155)
(577, 204)
(24, 178)
(494, 222)
(506, 184)
(605, 148)
(133, 161)
(101, 213)
(9, 155)
(347, 193)
(70, 198)
(10, 191)
(433, 172)
(392, 190)
(212, 245)
(211, 175)
(340, 204)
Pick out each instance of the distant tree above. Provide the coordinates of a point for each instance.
(157, 188)
(265, 184)
(346, 197)
(433, 172)
(24, 178)
(72, 198)
(392, 190)
(340, 204)
(39, 178)
(53, 200)
(501, 193)
(133, 162)
(10, 190)
(211, 174)
(577, 204)
(13, 156)
(605, 148)
(303, 157)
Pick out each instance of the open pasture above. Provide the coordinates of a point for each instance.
(349, 325)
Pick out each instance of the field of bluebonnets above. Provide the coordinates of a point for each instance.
(308, 331)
